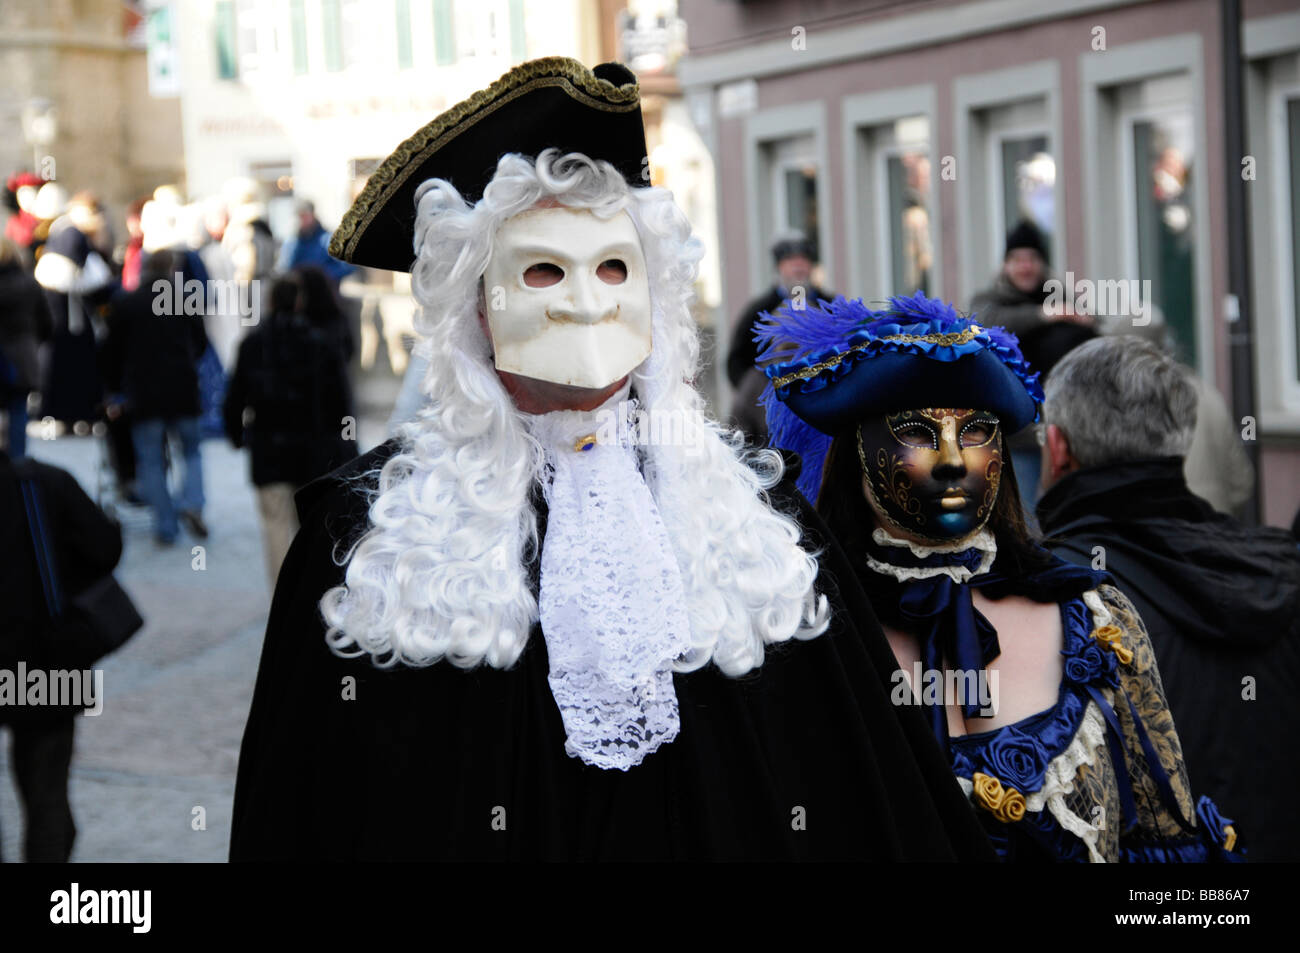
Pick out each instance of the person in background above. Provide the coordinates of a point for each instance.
(78, 281)
(150, 366)
(24, 326)
(133, 250)
(86, 546)
(1221, 601)
(290, 383)
(247, 237)
(794, 257)
(323, 310)
(1020, 301)
(311, 247)
(22, 188)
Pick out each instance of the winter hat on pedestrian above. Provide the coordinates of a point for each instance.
(1026, 235)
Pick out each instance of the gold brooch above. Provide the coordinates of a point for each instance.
(1229, 838)
(1112, 637)
(583, 444)
(1005, 804)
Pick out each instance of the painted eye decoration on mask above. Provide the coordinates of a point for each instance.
(925, 431)
(978, 432)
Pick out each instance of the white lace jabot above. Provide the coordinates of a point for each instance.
(611, 603)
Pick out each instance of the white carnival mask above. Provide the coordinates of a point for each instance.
(568, 299)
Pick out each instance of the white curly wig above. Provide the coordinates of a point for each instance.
(442, 572)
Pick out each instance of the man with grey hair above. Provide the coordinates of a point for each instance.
(1221, 600)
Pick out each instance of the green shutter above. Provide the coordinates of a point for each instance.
(227, 61)
(444, 33)
(404, 58)
(518, 38)
(332, 26)
(298, 34)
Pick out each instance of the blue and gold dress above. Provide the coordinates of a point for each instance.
(1097, 777)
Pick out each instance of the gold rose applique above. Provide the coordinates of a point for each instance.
(1004, 803)
(1112, 637)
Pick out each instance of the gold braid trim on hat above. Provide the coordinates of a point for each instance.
(947, 339)
(582, 84)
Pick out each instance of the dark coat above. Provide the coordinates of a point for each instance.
(746, 379)
(293, 378)
(1222, 604)
(321, 777)
(86, 545)
(153, 359)
(24, 325)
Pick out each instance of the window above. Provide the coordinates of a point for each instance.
(518, 36)
(1162, 241)
(1293, 177)
(227, 64)
(246, 39)
(794, 189)
(785, 161)
(1014, 146)
(1145, 195)
(332, 28)
(1272, 94)
(444, 33)
(405, 56)
(298, 35)
(1028, 180)
(893, 219)
(902, 148)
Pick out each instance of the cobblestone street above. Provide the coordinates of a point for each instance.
(177, 695)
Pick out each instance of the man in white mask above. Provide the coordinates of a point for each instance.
(530, 627)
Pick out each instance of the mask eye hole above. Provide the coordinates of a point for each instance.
(543, 275)
(915, 435)
(612, 271)
(977, 433)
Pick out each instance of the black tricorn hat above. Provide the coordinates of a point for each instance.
(551, 102)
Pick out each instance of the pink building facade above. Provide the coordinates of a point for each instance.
(907, 138)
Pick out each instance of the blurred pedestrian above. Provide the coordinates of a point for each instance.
(794, 257)
(24, 326)
(150, 365)
(84, 545)
(324, 310)
(1220, 600)
(78, 281)
(133, 250)
(311, 247)
(249, 242)
(290, 384)
(21, 226)
(1021, 301)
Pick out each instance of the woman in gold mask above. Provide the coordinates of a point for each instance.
(1038, 677)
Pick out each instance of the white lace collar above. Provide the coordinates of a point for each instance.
(983, 541)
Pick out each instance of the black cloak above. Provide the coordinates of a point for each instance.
(805, 758)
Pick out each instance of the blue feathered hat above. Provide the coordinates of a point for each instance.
(838, 362)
